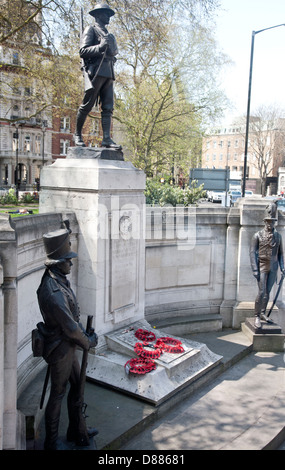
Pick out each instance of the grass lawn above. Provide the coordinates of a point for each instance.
(21, 210)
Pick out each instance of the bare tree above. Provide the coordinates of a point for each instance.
(267, 141)
(166, 78)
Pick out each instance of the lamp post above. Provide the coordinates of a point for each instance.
(248, 101)
(44, 127)
(227, 173)
(16, 137)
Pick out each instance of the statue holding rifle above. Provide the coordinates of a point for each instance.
(98, 50)
(61, 334)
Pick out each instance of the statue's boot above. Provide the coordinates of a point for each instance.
(80, 120)
(257, 322)
(265, 317)
(51, 439)
(106, 126)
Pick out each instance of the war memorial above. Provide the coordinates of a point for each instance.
(143, 276)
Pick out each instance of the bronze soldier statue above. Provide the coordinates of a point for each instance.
(266, 255)
(98, 50)
(62, 334)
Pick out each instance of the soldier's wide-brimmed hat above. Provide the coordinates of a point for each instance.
(271, 212)
(100, 7)
(57, 246)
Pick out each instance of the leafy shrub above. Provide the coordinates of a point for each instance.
(163, 194)
(27, 198)
(9, 198)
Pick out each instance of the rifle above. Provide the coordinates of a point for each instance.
(276, 295)
(45, 387)
(84, 361)
(81, 29)
(82, 430)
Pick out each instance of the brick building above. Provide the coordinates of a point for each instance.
(225, 146)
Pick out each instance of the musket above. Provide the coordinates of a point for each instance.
(84, 362)
(81, 29)
(276, 295)
(45, 387)
(83, 437)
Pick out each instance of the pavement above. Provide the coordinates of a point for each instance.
(240, 407)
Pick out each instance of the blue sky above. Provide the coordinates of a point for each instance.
(234, 25)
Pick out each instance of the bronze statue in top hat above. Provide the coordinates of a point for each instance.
(266, 256)
(62, 334)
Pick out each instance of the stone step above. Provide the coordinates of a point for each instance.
(187, 324)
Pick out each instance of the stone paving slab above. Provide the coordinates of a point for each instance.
(244, 409)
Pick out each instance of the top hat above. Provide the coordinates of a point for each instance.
(57, 246)
(100, 7)
(271, 212)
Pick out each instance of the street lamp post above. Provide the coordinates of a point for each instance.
(16, 137)
(248, 101)
(44, 127)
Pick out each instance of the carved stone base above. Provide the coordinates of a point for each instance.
(95, 152)
(267, 338)
(173, 371)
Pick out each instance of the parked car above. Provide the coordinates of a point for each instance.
(217, 196)
(234, 196)
(3, 191)
(248, 193)
(281, 204)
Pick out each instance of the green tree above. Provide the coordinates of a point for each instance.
(44, 63)
(166, 80)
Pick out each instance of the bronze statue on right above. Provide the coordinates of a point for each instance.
(266, 255)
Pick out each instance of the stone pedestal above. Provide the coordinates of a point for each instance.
(107, 195)
(267, 338)
(173, 371)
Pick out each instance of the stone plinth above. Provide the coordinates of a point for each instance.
(108, 200)
(173, 371)
(93, 153)
(267, 338)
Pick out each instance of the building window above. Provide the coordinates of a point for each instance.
(16, 91)
(15, 143)
(28, 91)
(15, 112)
(64, 146)
(38, 140)
(65, 124)
(15, 58)
(27, 143)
